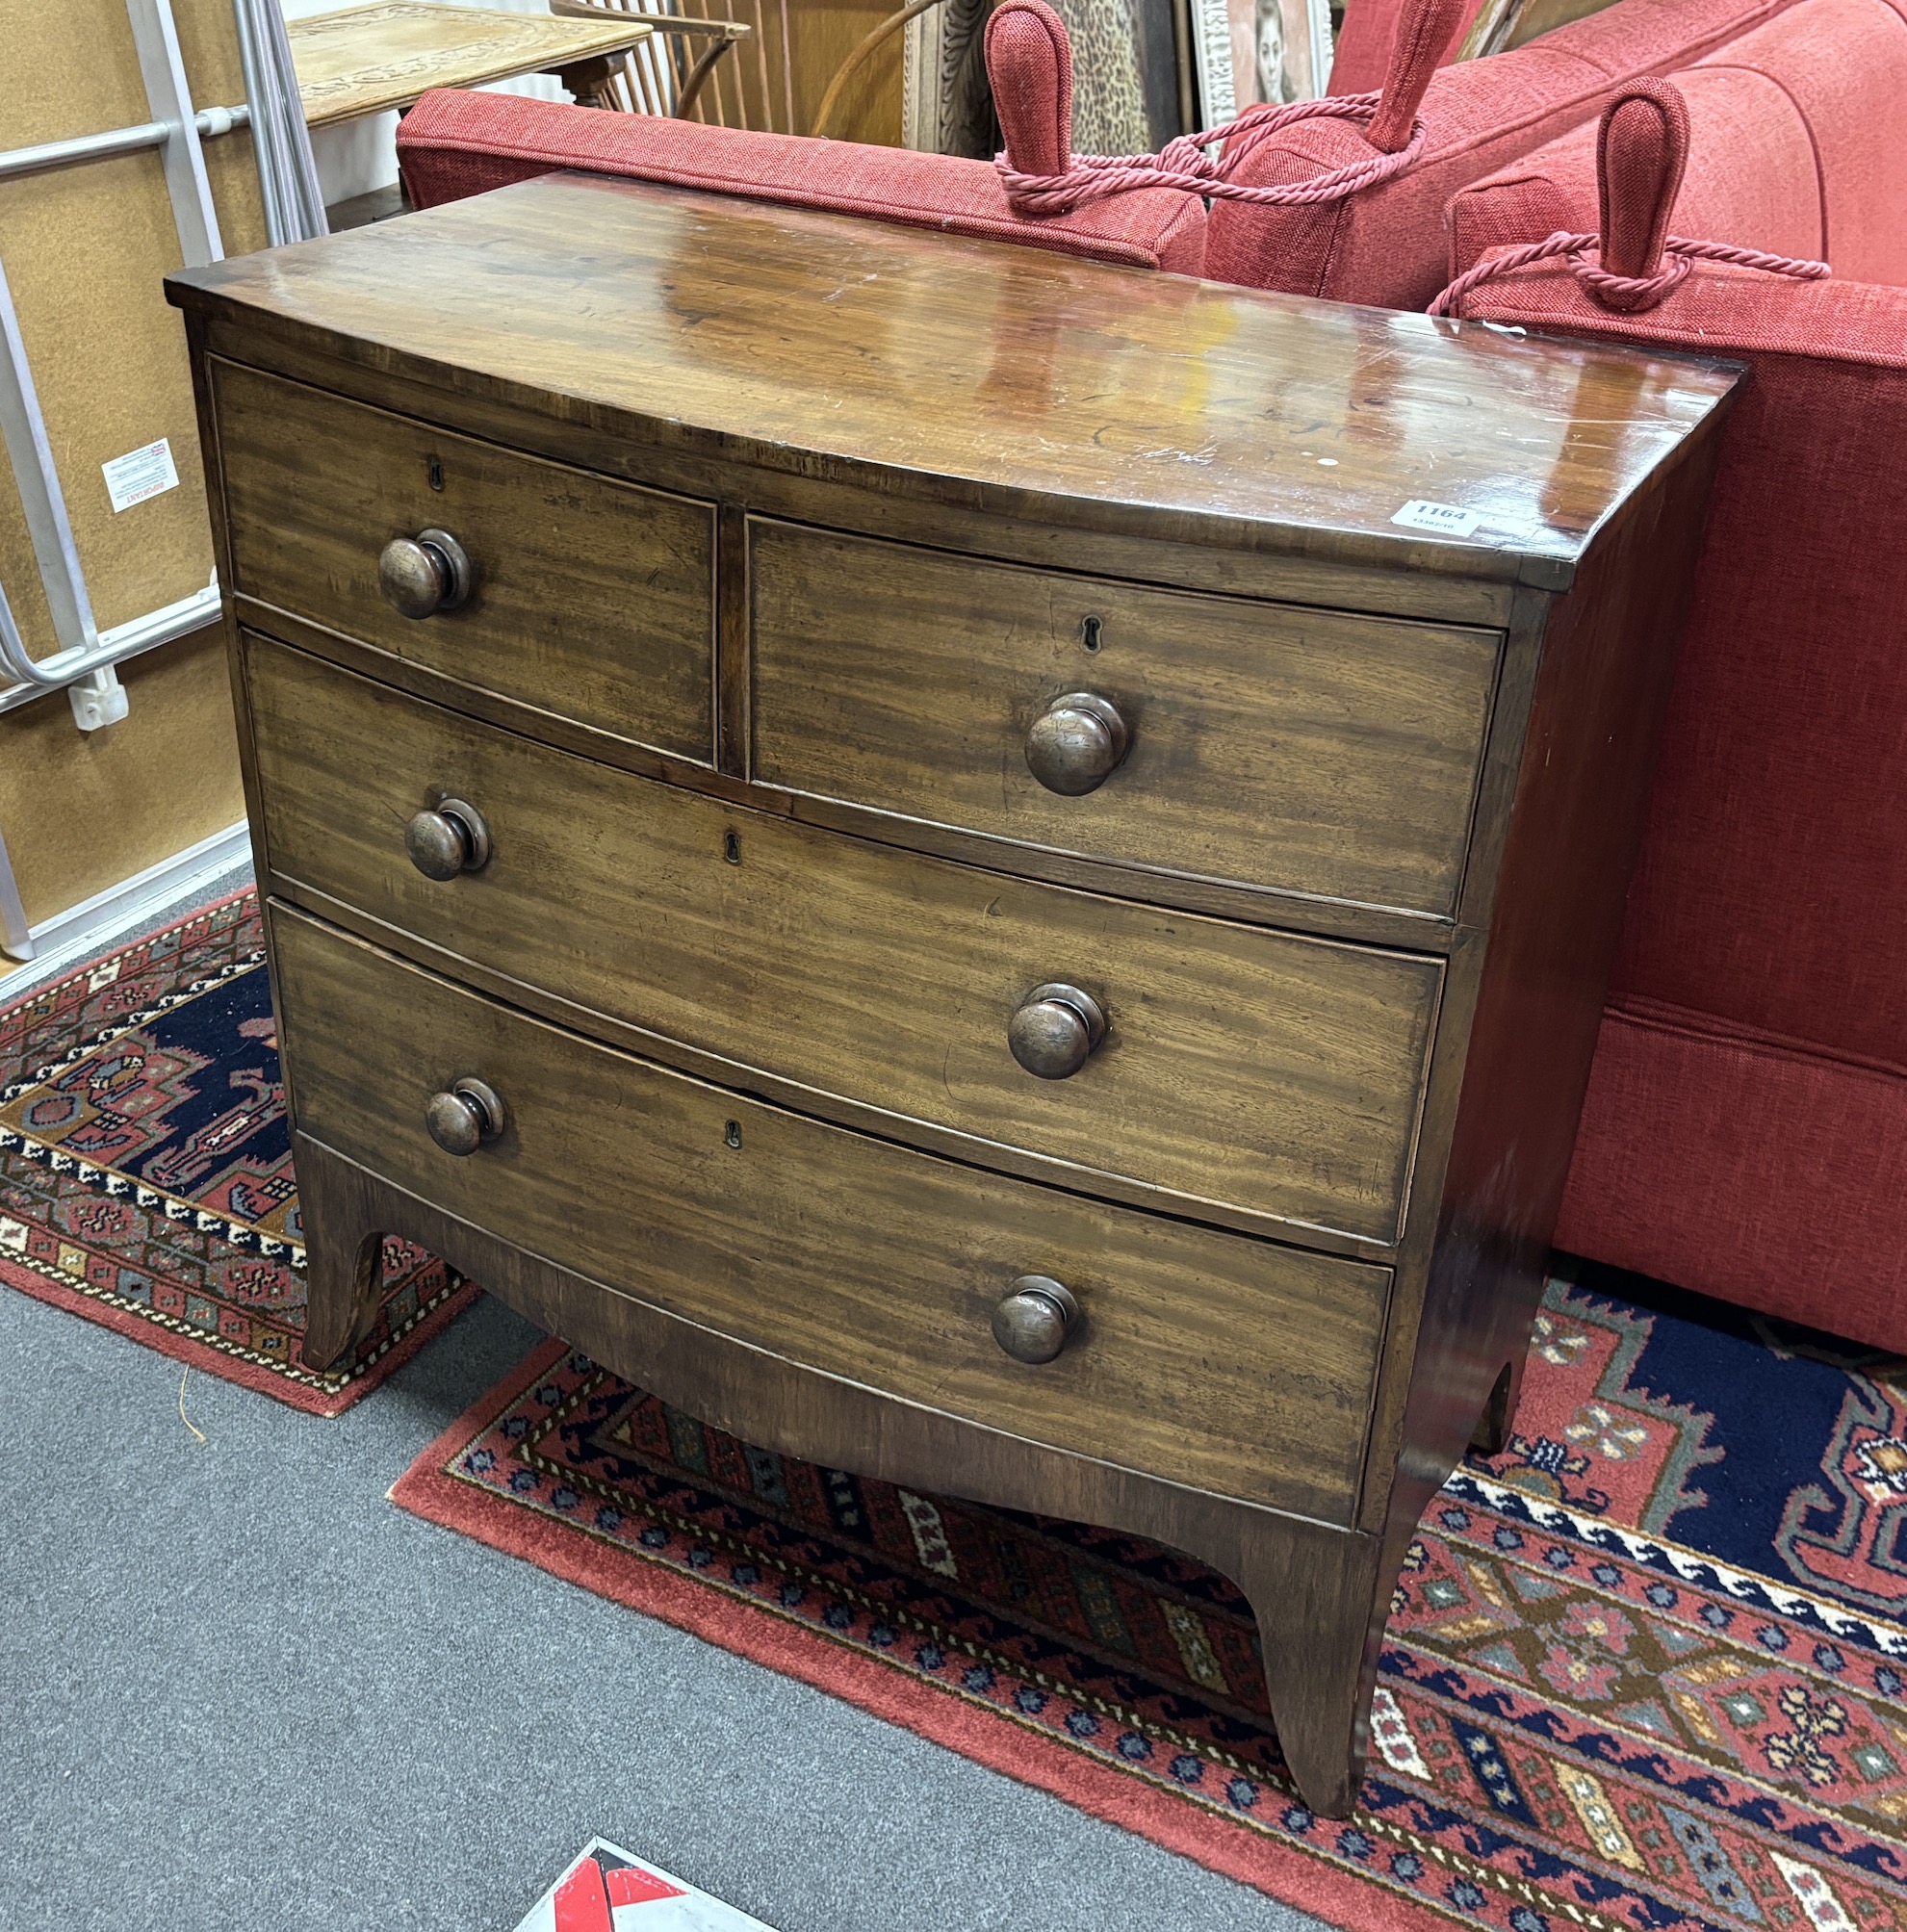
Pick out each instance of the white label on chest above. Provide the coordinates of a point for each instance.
(1446, 518)
(140, 474)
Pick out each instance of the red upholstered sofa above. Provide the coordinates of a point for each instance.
(454, 144)
(1362, 55)
(1385, 244)
(1746, 1127)
(1795, 147)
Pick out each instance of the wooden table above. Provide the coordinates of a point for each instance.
(367, 60)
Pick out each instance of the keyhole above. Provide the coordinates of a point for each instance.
(732, 1133)
(732, 847)
(436, 473)
(1089, 635)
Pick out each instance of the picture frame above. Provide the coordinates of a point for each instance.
(1500, 26)
(1251, 51)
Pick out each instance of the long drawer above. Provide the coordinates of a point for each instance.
(847, 1254)
(588, 598)
(1303, 751)
(1258, 1070)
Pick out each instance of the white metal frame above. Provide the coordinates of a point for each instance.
(281, 142)
(84, 664)
(16, 937)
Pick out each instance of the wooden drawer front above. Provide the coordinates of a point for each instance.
(1209, 1358)
(1265, 1071)
(593, 598)
(1272, 746)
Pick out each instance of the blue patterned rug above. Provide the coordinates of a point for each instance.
(145, 1167)
(1644, 1670)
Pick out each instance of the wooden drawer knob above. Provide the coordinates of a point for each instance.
(1076, 743)
(462, 1119)
(1055, 1029)
(426, 573)
(1035, 1318)
(450, 840)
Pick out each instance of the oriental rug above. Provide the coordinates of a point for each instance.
(145, 1167)
(1644, 1669)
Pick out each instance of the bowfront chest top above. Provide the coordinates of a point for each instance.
(983, 868)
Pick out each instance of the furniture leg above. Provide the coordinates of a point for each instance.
(1491, 1436)
(590, 81)
(1320, 1597)
(343, 1242)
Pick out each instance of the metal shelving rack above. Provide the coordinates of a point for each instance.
(84, 665)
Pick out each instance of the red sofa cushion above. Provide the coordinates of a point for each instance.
(1746, 1127)
(454, 144)
(1386, 244)
(1766, 1176)
(1793, 148)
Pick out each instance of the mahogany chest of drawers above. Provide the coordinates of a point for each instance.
(985, 869)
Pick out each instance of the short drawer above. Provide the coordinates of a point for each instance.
(588, 598)
(1212, 1359)
(1268, 745)
(1258, 1070)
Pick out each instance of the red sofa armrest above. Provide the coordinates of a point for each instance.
(1792, 148)
(1746, 1131)
(1385, 246)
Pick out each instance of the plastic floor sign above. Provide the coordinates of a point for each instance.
(606, 1889)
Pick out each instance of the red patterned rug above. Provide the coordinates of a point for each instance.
(145, 1168)
(1644, 1670)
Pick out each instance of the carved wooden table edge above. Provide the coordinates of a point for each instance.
(520, 43)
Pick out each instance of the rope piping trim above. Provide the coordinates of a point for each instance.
(1184, 165)
(1625, 293)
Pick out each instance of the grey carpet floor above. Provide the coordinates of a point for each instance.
(239, 1689)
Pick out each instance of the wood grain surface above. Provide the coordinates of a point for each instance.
(367, 60)
(593, 598)
(1014, 378)
(766, 1148)
(1294, 748)
(847, 1254)
(1274, 1074)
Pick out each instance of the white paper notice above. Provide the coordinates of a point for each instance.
(1446, 518)
(611, 1889)
(140, 474)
